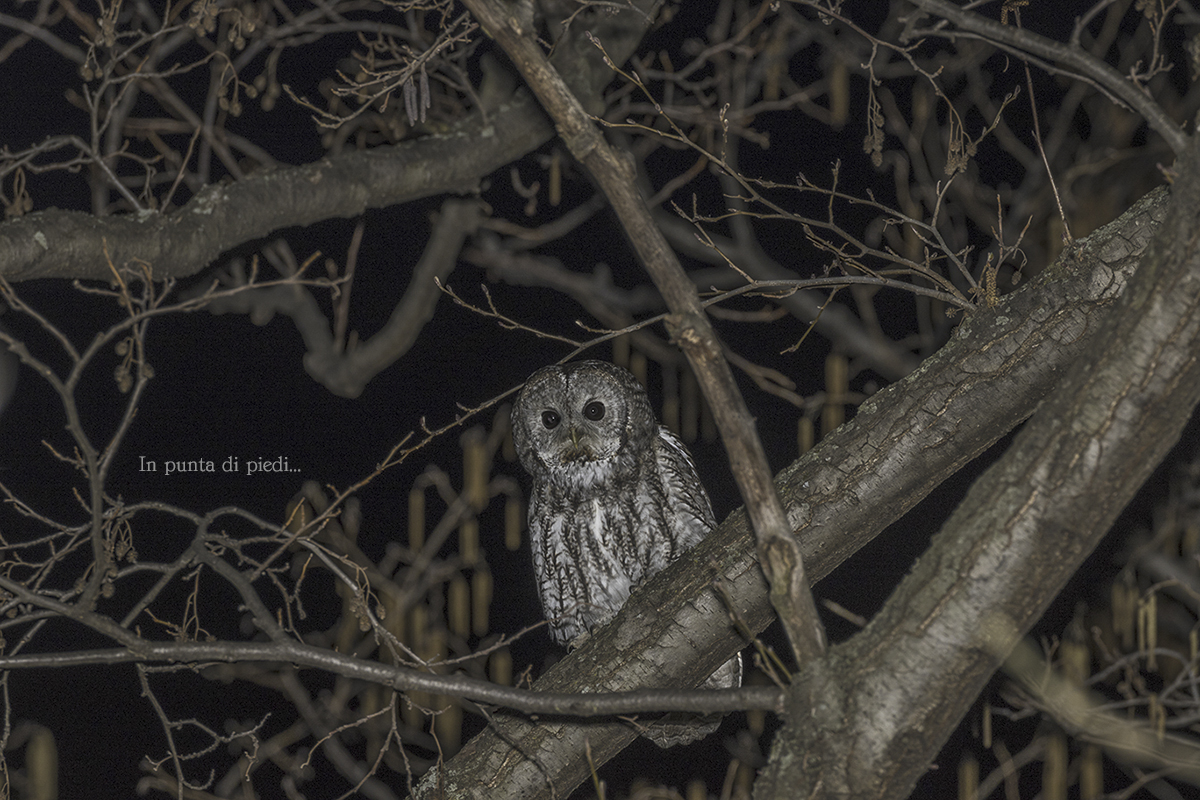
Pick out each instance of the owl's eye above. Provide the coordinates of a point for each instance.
(551, 418)
(594, 411)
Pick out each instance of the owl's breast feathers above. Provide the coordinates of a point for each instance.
(598, 531)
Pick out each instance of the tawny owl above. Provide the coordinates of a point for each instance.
(615, 499)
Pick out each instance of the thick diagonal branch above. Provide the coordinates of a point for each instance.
(1016, 539)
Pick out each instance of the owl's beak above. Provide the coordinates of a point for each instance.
(575, 451)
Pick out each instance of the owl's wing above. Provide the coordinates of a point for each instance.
(685, 493)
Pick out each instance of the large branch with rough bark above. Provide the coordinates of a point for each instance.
(904, 442)
(1019, 535)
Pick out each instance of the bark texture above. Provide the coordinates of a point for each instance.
(906, 680)
(903, 443)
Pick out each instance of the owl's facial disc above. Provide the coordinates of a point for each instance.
(572, 438)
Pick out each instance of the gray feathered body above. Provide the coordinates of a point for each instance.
(615, 496)
(596, 536)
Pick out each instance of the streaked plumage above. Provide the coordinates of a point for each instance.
(615, 498)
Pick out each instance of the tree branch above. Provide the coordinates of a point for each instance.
(778, 551)
(346, 373)
(402, 679)
(902, 444)
(1019, 535)
(67, 244)
(833, 321)
(1019, 41)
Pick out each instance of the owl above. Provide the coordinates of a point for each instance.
(615, 499)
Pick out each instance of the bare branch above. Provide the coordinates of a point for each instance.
(1022, 43)
(688, 324)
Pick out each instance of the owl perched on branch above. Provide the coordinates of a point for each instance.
(615, 499)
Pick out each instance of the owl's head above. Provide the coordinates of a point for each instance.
(581, 419)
